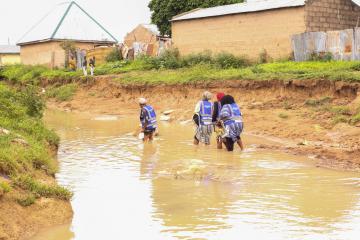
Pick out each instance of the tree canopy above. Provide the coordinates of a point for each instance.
(162, 11)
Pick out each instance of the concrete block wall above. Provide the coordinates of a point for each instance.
(328, 15)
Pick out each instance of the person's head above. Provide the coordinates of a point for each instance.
(142, 102)
(227, 99)
(219, 96)
(206, 96)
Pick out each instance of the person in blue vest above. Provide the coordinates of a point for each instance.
(203, 111)
(148, 120)
(232, 120)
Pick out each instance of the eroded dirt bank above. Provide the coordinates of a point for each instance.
(302, 115)
(18, 222)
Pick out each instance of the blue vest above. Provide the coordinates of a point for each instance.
(150, 116)
(205, 113)
(235, 114)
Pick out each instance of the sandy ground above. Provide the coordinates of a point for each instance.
(304, 130)
(17, 222)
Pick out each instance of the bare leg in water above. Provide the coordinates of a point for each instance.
(240, 143)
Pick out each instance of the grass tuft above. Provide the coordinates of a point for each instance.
(26, 182)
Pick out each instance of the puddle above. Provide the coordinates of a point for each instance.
(171, 189)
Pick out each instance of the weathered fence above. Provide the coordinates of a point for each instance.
(343, 44)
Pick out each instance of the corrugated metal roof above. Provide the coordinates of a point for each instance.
(250, 6)
(67, 21)
(10, 49)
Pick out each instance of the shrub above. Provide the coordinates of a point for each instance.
(263, 56)
(322, 56)
(196, 59)
(114, 56)
(227, 60)
(34, 104)
(26, 200)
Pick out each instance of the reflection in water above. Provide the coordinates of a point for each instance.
(170, 189)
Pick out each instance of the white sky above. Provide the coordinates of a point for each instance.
(117, 16)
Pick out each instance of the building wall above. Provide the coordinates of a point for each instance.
(328, 15)
(8, 59)
(49, 53)
(241, 34)
(139, 34)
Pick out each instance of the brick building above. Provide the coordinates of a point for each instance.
(66, 22)
(148, 38)
(251, 27)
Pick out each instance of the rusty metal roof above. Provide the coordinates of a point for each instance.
(9, 49)
(249, 6)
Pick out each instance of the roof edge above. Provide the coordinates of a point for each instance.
(61, 40)
(184, 13)
(228, 14)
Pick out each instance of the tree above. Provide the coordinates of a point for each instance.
(162, 11)
(70, 50)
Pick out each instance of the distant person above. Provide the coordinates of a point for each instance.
(84, 66)
(232, 120)
(219, 129)
(147, 119)
(92, 65)
(203, 113)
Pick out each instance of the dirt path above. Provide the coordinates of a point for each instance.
(295, 113)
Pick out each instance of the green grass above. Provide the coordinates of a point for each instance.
(24, 122)
(62, 93)
(285, 71)
(35, 75)
(20, 113)
(355, 119)
(26, 182)
(26, 200)
(5, 187)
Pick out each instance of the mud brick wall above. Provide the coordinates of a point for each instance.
(241, 34)
(328, 15)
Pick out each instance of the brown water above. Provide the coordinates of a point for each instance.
(171, 189)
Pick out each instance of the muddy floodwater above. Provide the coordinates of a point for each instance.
(171, 189)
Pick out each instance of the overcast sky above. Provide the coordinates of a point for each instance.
(118, 16)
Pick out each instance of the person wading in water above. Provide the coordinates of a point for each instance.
(203, 111)
(231, 117)
(219, 129)
(147, 119)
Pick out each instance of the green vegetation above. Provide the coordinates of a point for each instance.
(62, 93)
(26, 182)
(26, 200)
(337, 114)
(162, 11)
(284, 71)
(35, 75)
(25, 141)
(5, 187)
(114, 56)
